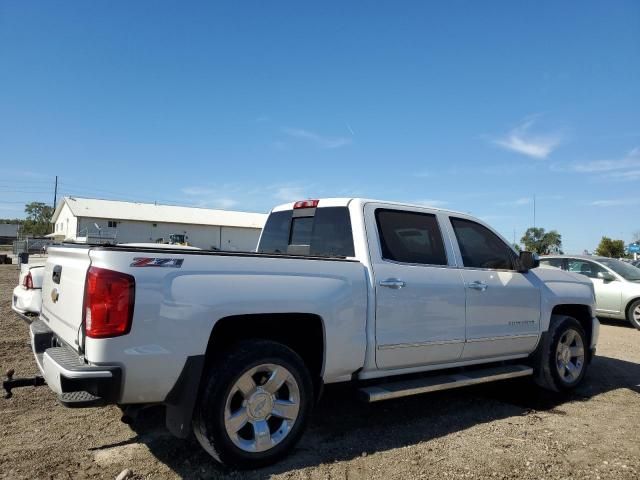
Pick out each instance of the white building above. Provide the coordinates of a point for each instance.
(98, 221)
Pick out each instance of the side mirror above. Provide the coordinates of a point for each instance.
(606, 276)
(528, 260)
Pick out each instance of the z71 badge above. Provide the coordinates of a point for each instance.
(157, 262)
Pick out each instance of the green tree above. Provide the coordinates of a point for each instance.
(38, 219)
(610, 248)
(538, 241)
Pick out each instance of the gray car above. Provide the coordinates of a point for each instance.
(617, 284)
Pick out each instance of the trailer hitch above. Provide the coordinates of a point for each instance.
(10, 383)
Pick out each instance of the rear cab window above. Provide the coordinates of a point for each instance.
(319, 231)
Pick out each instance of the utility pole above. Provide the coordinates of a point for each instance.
(534, 210)
(55, 193)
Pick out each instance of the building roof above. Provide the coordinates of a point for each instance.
(151, 212)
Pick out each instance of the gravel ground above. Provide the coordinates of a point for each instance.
(503, 430)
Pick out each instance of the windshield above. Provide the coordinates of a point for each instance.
(625, 270)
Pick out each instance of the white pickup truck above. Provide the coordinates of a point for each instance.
(239, 345)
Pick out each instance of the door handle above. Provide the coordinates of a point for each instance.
(481, 286)
(392, 283)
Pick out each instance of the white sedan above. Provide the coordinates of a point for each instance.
(27, 296)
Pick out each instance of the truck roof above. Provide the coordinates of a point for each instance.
(343, 202)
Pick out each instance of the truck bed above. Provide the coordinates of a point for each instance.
(180, 295)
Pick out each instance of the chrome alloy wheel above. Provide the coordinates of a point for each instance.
(262, 407)
(636, 314)
(570, 356)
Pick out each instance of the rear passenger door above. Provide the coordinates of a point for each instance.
(420, 305)
(503, 305)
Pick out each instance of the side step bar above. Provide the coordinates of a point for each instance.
(404, 388)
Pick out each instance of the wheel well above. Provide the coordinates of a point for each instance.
(582, 313)
(301, 332)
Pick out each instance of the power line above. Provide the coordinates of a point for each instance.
(37, 192)
(30, 181)
(68, 189)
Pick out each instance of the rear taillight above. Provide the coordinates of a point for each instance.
(108, 303)
(28, 281)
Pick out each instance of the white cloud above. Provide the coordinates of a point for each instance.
(289, 193)
(224, 203)
(625, 176)
(521, 140)
(197, 191)
(495, 218)
(210, 197)
(625, 168)
(618, 202)
(244, 196)
(317, 139)
(431, 203)
(517, 202)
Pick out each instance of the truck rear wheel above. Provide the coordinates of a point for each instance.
(254, 405)
(561, 359)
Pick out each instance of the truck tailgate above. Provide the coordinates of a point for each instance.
(63, 291)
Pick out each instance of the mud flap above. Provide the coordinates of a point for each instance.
(182, 398)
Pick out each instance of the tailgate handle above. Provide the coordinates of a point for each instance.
(57, 272)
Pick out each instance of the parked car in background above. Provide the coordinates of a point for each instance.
(27, 296)
(617, 283)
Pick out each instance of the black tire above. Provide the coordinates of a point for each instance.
(546, 367)
(630, 313)
(223, 373)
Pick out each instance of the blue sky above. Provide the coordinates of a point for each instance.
(473, 106)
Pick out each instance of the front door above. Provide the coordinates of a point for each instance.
(420, 304)
(503, 305)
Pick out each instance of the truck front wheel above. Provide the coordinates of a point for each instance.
(561, 359)
(254, 404)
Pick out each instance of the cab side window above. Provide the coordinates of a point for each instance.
(584, 267)
(480, 247)
(410, 237)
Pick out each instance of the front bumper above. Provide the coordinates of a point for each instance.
(78, 384)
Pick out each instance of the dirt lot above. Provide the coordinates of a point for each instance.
(506, 430)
